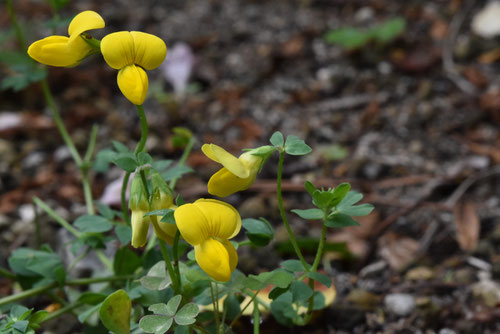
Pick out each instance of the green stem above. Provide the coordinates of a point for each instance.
(254, 298)
(201, 329)
(61, 311)
(36, 222)
(7, 274)
(87, 189)
(215, 303)
(168, 265)
(59, 123)
(293, 241)
(144, 182)
(13, 19)
(175, 252)
(56, 217)
(317, 259)
(126, 216)
(256, 317)
(78, 259)
(244, 243)
(182, 160)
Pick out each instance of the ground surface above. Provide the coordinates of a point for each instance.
(413, 124)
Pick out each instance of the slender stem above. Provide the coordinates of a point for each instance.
(64, 223)
(36, 222)
(244, 243)
(254, 298)
(256, 317)
(168, 265)
(13, 19)
(7, 274)
(126, 216)
(78, 259)
(293, 241)
(144, 182)
(201, 329)
(27, 293)
(317, 259)
(61, 311)
(182, 160)
(92, 280)
(214, 303)
(175, 252)
(92, 142)
(59, 123)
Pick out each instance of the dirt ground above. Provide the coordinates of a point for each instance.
(412, 123)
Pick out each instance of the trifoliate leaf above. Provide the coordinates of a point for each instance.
(277, 139)
(296, 146)
(309, 214)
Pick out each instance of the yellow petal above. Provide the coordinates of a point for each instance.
(55, 51)
(140, 227)
(213, 257)
(164, 231)
(84, 21)
(224, 183)
(233, 255)
(225, 158)
(133, 83)
(149, 50)
(224, 221)
(192, 224)
(118, 49)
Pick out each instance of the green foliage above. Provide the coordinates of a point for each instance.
(126, 261)
(23, 70)
(277, 139)
(42, 263)
(167, 215)
(277, 277)
(258, 231)
(124, 233)
(354, 38)
(21, 320)
(115, 312)
(93, 224)
(157, 277)
(165, 314)
(323, 279)
(310, 214)
(293, 266)
(296, 146)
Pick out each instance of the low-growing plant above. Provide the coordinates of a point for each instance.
(186, 277)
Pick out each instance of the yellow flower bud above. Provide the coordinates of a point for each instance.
(138, 204)
(162, 199)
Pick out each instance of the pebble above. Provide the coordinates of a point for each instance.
(446, 331)
(400, 304)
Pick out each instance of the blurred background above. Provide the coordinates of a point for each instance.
(399, 98)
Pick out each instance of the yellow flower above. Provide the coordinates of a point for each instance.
(69, 51)
(237, 174)
(132, 52)
(207, 224)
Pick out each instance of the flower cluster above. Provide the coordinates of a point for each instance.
(129, 52)
(206, 224)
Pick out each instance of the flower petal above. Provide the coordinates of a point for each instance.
(140, 227)
(149, 50)
(133, 82)
(118, 49)
(233, 255)
(192, 224)
(55, 51)
(213, 257)
(223, 219)
(224, 183)
(84, 21)
(225, 158)
(164, 231)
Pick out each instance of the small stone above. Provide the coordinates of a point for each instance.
(420, 274)
(446, 331)
(363, 298)
(400, 304)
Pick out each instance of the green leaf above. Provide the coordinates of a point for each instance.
(172, 306)
(357, 210)
(38, 317)
(389, 30)
(115, 312)
(91, 298)
(161, 165)
(82, 317)
(293, 266)
(339, 193)
(323, 279)
(340, 220)
(300, 291)
(187, 314)
(144, 158)
(20, 312)
(196, 274)
(179, 200)
(156, 323)
(282, 309)
(259, 232)
(310, 187)
(309, 214)
(124, 233)
(157, 277)
(102, 160)
(126, 161)
(296, 146)
(120, 148)
(31, 263)
(106, 211)
(92, 224)
(323, 199)
(160, 212)
(276, 292)
(348, 38)
(232, 305)
(21, 325)
(168, 218)
(277, 139)
(126, 261)
(277, 277)
(350, 199)
(176, 172)
(318, 301)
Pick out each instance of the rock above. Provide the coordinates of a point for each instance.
(420, 273)
(400, 304)
(487, 290)
(363, 298)
(485, 23)
(446, 331)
